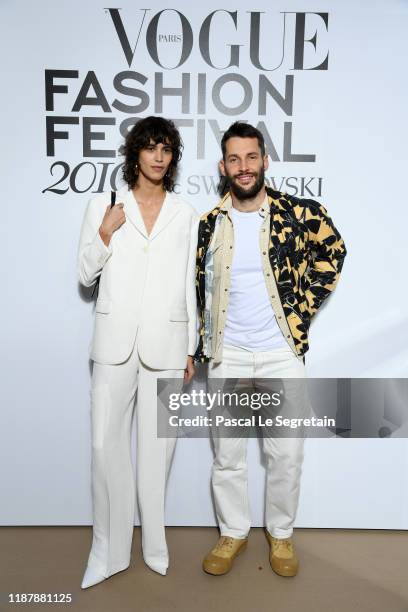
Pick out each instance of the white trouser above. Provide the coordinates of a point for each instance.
(113, 488)
(284, 455)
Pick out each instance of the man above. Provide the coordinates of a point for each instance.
(266, 261)
(143, 252)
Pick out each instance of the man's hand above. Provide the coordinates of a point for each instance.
(113, 218)
(189, 371)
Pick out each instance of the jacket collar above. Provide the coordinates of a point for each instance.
(274, 199)
(168, 211)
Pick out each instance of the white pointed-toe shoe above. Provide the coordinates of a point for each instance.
(157, 567)
(91, 577)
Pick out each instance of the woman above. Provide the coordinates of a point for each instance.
(142, 250)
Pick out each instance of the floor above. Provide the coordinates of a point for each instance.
(340, 571)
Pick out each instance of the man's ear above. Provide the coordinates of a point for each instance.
(221, 166)
(266, 161)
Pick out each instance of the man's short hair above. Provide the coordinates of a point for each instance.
(242, 130)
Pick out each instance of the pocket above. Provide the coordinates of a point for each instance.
(103, 305)
(179, 315)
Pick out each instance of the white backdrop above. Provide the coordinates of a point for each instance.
(65, 68)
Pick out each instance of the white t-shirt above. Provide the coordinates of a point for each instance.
(251, 321)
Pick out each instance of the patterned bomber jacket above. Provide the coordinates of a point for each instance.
(305, 253)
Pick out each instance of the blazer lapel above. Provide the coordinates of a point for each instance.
(167, 213)
(133, 213)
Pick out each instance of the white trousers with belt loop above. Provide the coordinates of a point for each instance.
(284, 455)
(113, 482)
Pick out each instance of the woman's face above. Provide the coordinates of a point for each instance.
(154, 161)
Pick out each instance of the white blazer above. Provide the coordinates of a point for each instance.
(147, 283)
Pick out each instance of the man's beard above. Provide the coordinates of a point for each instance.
(247, 194)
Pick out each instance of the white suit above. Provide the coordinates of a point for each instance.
(145, 326)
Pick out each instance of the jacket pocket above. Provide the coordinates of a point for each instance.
(103, 305)
(179, 315)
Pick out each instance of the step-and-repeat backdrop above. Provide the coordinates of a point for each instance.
(326, 84)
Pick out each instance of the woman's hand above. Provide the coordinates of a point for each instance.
(189, 371)
(113, 218)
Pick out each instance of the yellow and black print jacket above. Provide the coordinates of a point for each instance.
(306, 255)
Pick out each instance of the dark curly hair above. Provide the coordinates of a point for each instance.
(159, 130)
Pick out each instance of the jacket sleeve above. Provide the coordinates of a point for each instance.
(328, 253)
(92, 252)
(191, 289)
